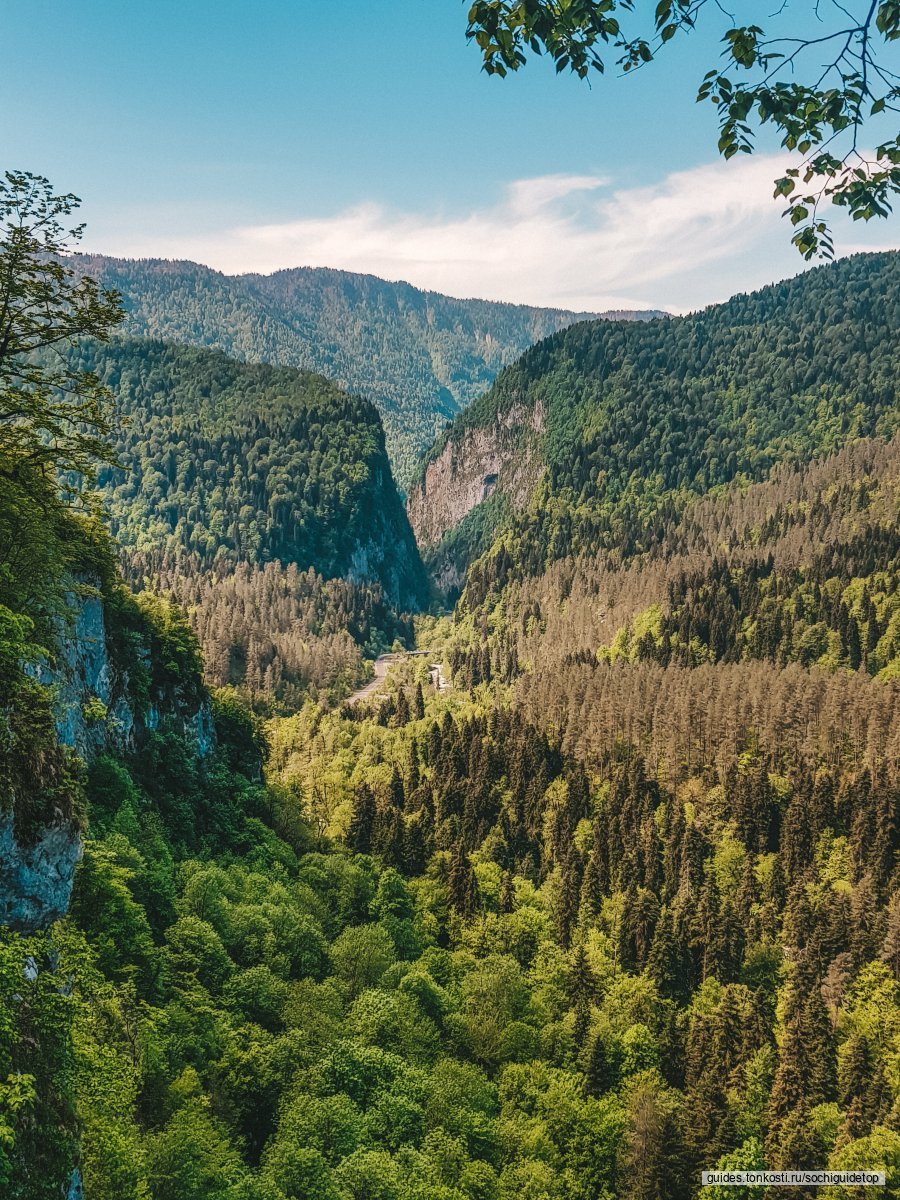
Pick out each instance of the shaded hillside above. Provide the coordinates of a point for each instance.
(268, 484)
(248, 463)
(600, 431)
(419, 356)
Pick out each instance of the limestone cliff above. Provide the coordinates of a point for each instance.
(468, 470)
(96, 701)
(499, 461)
(96, 707)
(36, 876)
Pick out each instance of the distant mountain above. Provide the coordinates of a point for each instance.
(599, 435)
(420, 357)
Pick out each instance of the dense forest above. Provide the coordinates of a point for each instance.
(618, 905)
(234, 462)
(420, 357)
(637, 418)
(436, 956)
(262, 498)
(277, 633)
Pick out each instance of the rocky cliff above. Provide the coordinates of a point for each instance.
(97, 707)
(469, 469)
(480, 462)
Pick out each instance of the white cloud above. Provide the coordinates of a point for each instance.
(570, 240)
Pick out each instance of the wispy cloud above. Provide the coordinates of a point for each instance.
(576, 241)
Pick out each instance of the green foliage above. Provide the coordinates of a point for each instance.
(419, 356)
(37, 1067)
(192, 1158)
(313, 1023)
(236, 463)
(52, 418)
(38, 776)
(821, 93)
(838, 612)
(240, 731)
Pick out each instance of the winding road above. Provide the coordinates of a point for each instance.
(382, 663)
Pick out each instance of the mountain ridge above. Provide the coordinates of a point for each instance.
(419, 355)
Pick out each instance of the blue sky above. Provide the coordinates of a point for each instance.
(254, 134)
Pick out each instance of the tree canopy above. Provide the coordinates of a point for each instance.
(51, 416)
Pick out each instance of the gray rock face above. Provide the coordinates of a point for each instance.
(36, 880)
(95, 709)
(470, 469)
(392, 560)
(95, 712)
(82, 678)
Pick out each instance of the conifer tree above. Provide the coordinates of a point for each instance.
(362, 821)
(664, 963)
(402, 709)
(396, 796)
(461, 885)
(601, 1073)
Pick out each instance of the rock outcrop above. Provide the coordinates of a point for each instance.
(96, 711)
(471, 467)
(36, 877)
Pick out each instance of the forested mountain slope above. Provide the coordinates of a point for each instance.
(440, 956)
(273, 482)
(599, 432)
(767, 614)
(419, 356)
(619, 906)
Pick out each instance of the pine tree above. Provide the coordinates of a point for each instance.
(416, 843)
(412, 770)
(591, 890)
(567, 899)
(582, 981)
(867, 926)
(890, 950)
(855, 1071)
(461, 885)
(665, 963)
(708, 938)
(432, 744)
(396, 797)
(362, 820)
(854, 645)
(387, 836)
(402, 709)
(601, 1071)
